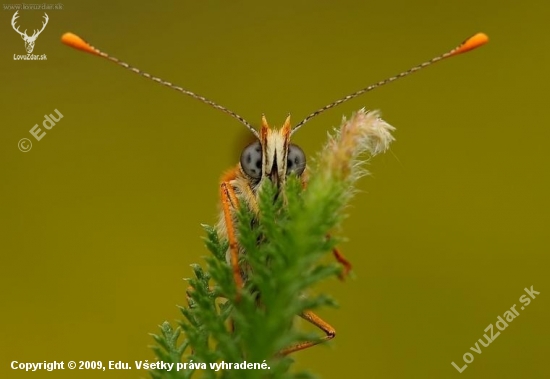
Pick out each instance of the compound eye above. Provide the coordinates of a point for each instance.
(251, 160)
(296, 160)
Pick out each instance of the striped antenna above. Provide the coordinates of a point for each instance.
(471, 43)
(76, 42)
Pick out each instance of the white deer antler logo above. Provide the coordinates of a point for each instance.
(29, 40)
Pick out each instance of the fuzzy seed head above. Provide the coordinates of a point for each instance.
(364, 132)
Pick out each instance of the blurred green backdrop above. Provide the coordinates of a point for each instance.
(101, 219)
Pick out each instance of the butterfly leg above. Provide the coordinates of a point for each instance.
(343, 261)
(311, 317)
(230, 201)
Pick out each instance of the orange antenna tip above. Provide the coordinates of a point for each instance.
(76, 42)
(471, 43)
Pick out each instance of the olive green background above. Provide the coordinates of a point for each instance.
(101, 219)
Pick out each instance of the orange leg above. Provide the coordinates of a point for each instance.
(330, 333)
(229, 201)
(342, 260)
